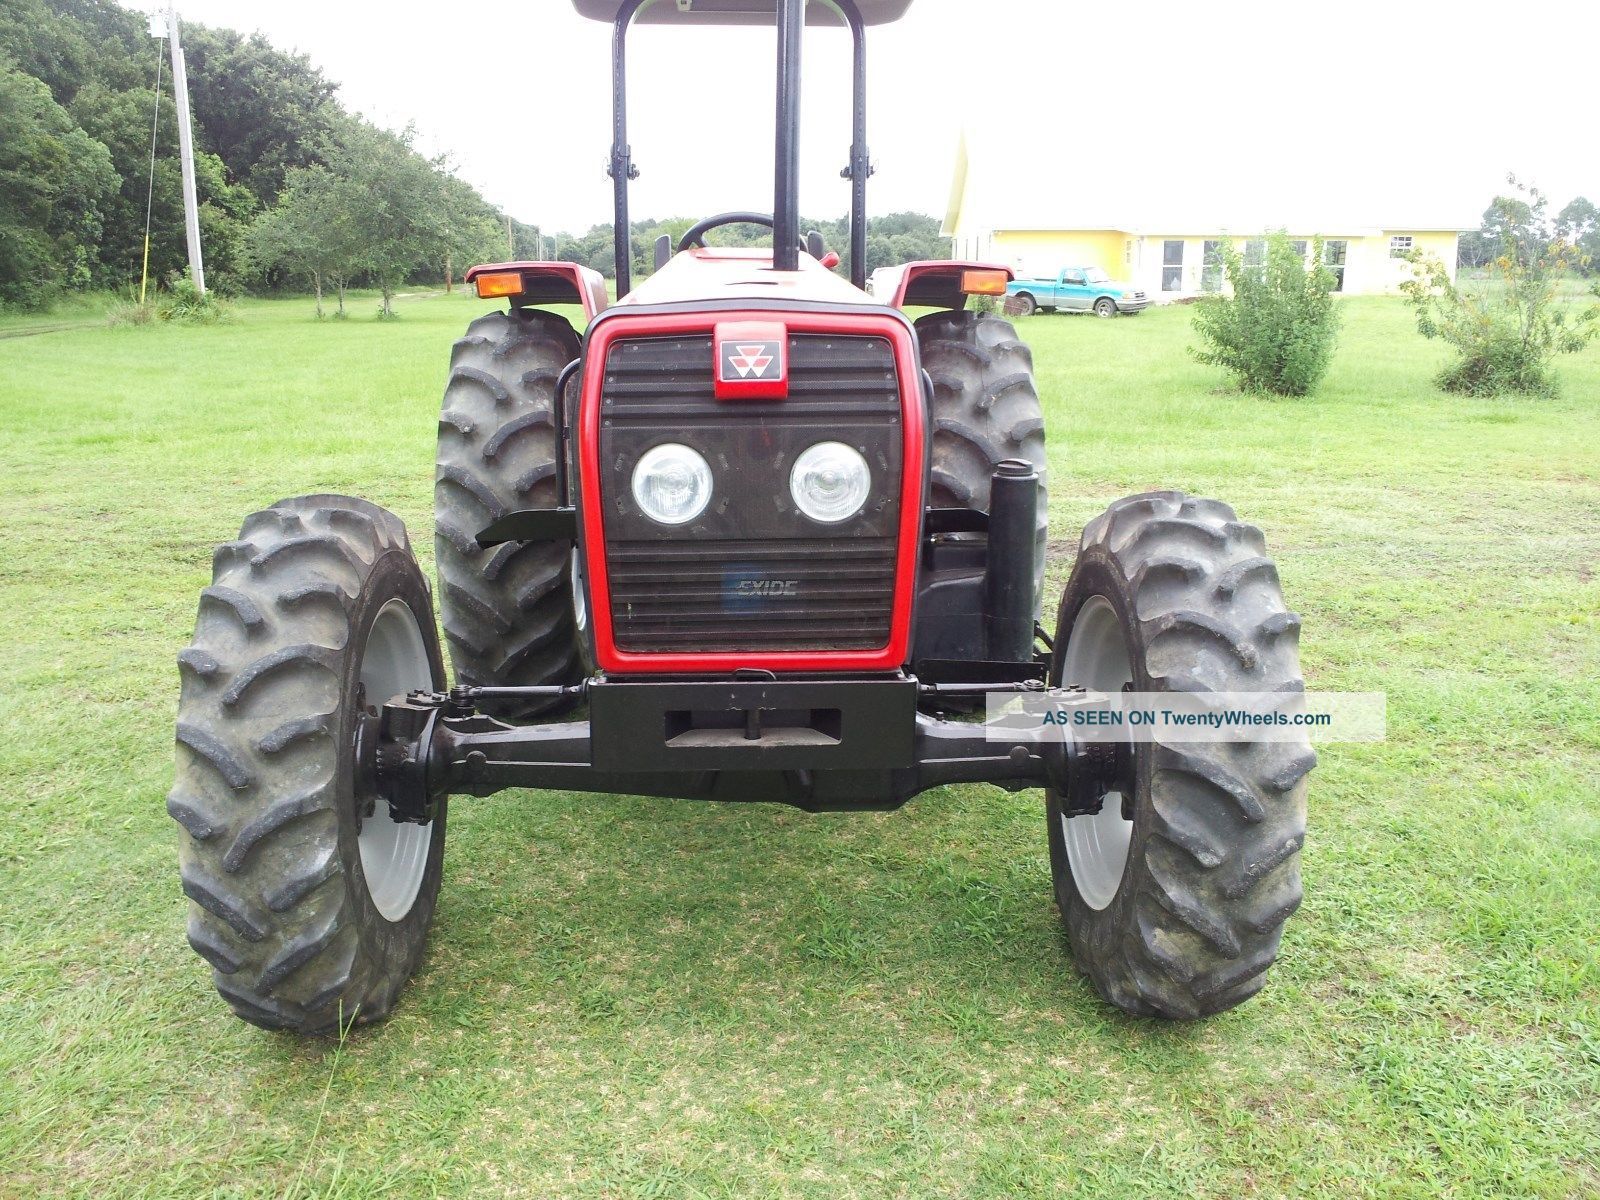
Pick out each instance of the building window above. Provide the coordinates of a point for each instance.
(1172, 265)
(1127, 252)
(1255, 257)
(1334, 255)
(1211, 266)
(1400, 245)
(1299, 247)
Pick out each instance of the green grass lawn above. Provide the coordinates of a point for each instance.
(646, 998)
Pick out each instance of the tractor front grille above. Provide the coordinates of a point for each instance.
(676, 598)
(751, 573)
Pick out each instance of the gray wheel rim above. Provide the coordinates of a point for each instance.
(580, 607)
(394, 854)
(1097, 844)
(1105, 308)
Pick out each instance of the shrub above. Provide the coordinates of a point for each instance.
(1276, 329)
(130, 312)
(185, 304)
(180, 304)
(1507, 322)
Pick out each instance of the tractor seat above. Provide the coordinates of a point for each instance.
(737, 12)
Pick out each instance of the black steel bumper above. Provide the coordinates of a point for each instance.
(816, 744)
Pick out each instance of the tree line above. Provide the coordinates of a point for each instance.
(293, 189)
(892, 238)
(77, 117)
(1523, 220)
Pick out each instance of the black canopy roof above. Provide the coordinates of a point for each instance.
(738, 12)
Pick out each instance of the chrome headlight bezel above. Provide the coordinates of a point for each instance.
(830, 467)
(691, 475)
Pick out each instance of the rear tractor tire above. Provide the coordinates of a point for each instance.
(310, 903)
(984, 409)
(1178, 911)
(509, 613)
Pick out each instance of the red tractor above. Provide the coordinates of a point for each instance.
(753, 535)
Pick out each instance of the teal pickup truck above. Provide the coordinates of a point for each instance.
(1075, 289)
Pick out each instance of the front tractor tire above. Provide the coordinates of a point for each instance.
(1178, 911)
(508, 612)
(309, 902)
(984, 409)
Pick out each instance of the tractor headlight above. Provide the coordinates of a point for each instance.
(672, 484)
(830, 482)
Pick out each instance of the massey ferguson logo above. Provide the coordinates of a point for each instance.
(767, 589)
(751, 360)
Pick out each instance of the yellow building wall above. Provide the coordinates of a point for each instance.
(1373, 270)
(1442, 246)
(1043, 252)
(1369, 268)
(1138, 258)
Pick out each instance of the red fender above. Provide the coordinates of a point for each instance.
(930, 284)
(551, 283)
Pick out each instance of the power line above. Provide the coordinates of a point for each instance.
(150, 190)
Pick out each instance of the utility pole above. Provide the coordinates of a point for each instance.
(191, 207)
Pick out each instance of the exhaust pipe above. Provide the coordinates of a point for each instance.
(1008, 578)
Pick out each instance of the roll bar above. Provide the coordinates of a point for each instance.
(736, 12)
(786, 182)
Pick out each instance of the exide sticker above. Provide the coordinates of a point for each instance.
(745, 586)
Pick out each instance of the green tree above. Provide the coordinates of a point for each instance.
(1578, 224)
(309, 232)
(1276, 331)
(226, 211)
(55, 181)
(67, 44)
(394, 200)
(1507, 328)
(121, 121)
(892, 239)
(1509, 220)
(259, 114)
(259, 110)
(471, 232)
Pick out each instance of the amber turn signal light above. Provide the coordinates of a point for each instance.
(980, 283)
(500, 283)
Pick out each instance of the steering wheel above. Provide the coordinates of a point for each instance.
(696, 235)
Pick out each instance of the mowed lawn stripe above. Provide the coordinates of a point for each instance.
(628, 997)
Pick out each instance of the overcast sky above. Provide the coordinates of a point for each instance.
(1370, 110)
